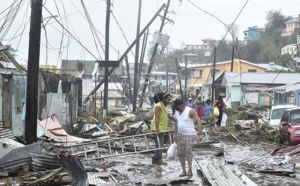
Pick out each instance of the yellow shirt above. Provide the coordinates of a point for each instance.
(163, 119)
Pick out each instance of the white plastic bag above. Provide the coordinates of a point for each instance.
(224, 119)
(172, 151)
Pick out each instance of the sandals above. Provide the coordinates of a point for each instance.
(190, 174)
(182, 174)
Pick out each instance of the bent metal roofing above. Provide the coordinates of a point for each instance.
(260, 78)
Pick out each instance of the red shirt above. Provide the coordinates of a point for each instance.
(220, 103)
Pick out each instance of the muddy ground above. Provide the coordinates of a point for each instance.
(138, 169)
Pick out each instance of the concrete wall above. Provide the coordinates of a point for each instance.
(18, 98)
(1, 101)
(233, 95)
(15, 102)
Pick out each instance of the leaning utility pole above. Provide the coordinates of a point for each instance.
(153, 55)
(213, 75)
(143, 51)
(232, 58)
(128, 79)
(136, 64)
(33, 72)
(105, 105)
(185, 78)
(179, 80)
(125, 54)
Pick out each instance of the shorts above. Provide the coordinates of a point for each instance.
(185, 145)
(208, 116)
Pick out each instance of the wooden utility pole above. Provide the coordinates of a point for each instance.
(33, 71)
(124, 54)
(143, 51)
(128, 79)
(153, 54)
(232, 58)
(178, 72)
(136, 63)
(213, 76)
(167, 78)
(185, 78)
(106, 74)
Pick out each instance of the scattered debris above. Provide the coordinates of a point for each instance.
(283, 170)
(220, 174)
(52, 129)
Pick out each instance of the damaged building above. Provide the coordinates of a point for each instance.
(59, 95)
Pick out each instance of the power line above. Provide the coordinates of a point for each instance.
(92, 29)
(228, 29)
(70, 33)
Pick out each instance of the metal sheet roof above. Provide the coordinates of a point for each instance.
(19, 156)
(260, 78)
(52, 128)
(7, 64)
(12, 71)
(6, 132)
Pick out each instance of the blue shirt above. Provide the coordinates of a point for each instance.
(208, 110)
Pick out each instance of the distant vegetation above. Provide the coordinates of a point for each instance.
(263, 50)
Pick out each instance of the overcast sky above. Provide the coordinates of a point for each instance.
(191, 24)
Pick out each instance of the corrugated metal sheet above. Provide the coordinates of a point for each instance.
(6, 132)
(293, 149)
(262, 160)
(53, 129)
(12, 71)
(19, 156)
(8, 64)
(261, 78)
(7, 145)
(76, 169)
(286, 169)
(95, 179)
(44, 161)
(218, 174)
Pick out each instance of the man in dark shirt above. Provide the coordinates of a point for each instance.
(220, 104)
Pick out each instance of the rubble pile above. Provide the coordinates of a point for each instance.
(247, 124)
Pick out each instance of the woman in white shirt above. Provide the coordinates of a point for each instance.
(186, 134)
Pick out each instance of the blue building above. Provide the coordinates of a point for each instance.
(252, 33)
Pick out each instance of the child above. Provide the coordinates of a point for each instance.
(208, 111)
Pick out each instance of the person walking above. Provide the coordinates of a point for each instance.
(189, 103)
(199, 107)
(185, 134)
(208, 111)
(159, 123)
(220, 104)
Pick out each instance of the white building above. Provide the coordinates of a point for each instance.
(290, 49)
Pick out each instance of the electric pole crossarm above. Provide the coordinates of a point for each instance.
(125, 53)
